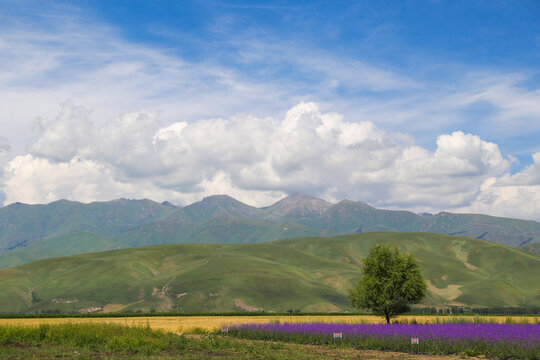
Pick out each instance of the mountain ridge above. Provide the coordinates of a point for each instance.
(223, 219)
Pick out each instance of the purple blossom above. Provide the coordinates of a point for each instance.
(496, 340)
(491, 332)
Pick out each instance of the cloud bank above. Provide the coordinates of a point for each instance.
(259, 160)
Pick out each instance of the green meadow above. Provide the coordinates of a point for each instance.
(107, 341)
(306, 274)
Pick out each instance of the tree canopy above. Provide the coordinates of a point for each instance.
(390, 283)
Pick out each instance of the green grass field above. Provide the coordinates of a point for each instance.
(93, 341)
(309, 274)
(109, 341)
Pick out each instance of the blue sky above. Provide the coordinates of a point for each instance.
(449, 89)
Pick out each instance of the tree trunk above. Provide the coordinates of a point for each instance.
(387, 318)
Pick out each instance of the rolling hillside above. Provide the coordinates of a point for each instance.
(310, 274)
(34, 232)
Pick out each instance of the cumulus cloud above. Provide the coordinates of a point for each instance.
(31, 179)
(64, 137)
(259, 160)
(515, 195)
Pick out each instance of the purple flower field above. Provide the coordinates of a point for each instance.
(521, 341)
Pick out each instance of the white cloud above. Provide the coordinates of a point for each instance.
(36, 180)
(259, 160)
(64, 137)
(515, 195)
(31, 179)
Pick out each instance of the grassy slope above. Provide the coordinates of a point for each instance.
(311, 274)
(504, 276)
(219, 230)
(69, 244)
(512, 232)
(531, 248)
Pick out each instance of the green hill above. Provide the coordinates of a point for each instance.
(219, 230)
(69, 244)
(310, 274)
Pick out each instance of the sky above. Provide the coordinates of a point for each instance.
(424, 106)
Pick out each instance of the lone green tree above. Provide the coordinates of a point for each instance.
(390, 283)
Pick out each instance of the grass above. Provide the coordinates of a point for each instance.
(310, 274)
(110, 337)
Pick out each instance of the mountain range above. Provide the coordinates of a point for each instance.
(309, 274)
(33, 232)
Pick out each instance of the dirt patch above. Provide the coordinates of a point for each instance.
(114, 307)
(351, 260)
(14, 344)
(90, 309)
(444, 277)
(329, 308)
(242, 305)
(471, 266)
(166, 286)
(335, 281)
(63, 301)
(24, 297)
(457, 247)
(450, 292)
(167, 303)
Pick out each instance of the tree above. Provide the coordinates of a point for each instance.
(390, 283)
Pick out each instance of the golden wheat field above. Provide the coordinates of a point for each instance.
(186, 324)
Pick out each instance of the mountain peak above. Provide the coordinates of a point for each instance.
(355, 203)
(219, 205)
(297, 205)
(219, 198)
(169, 204)
(302, 198)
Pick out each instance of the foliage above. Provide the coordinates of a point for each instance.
(390, 283)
